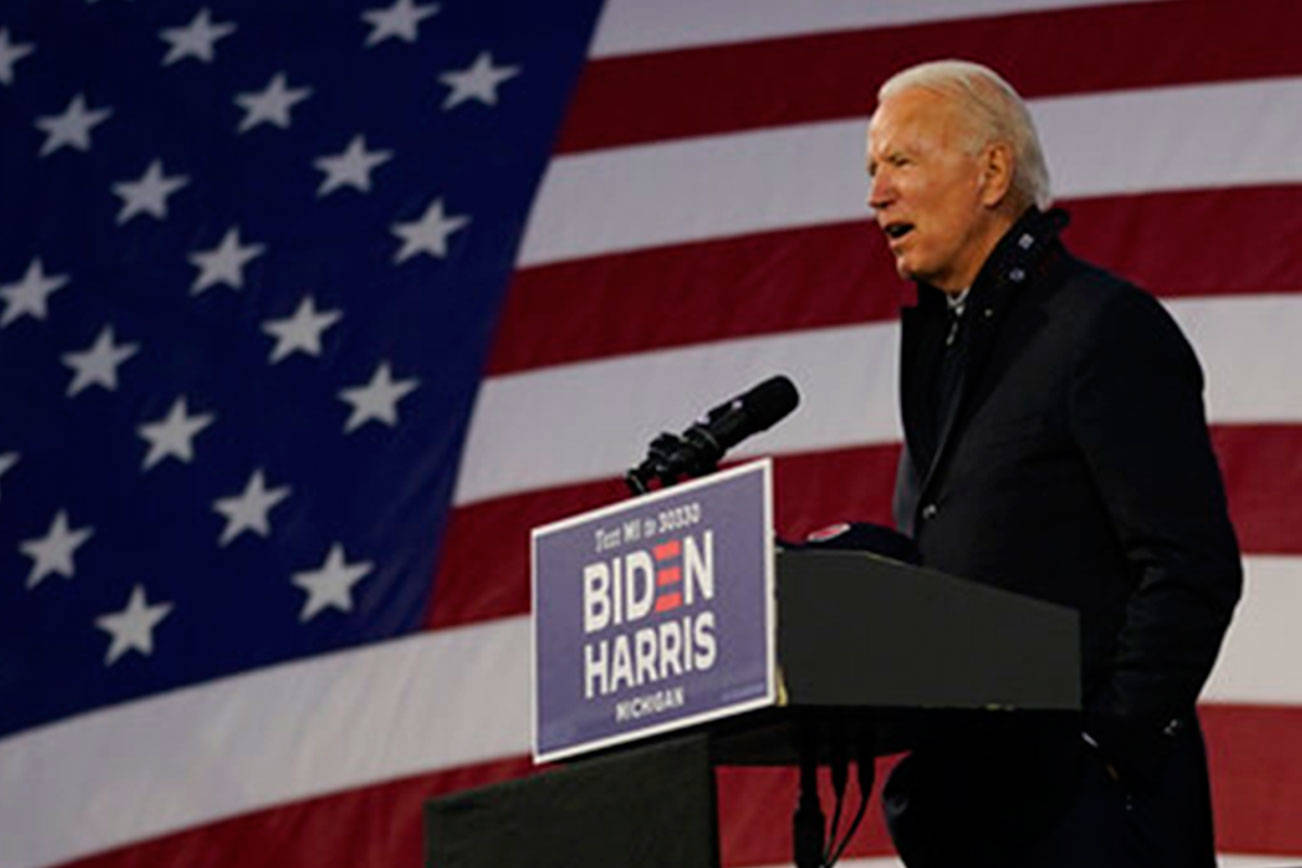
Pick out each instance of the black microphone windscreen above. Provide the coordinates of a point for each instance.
(755, 411)
(770, 401)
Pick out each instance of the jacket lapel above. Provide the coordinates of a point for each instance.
(982, 326)
(1021, 257)
(919, 356)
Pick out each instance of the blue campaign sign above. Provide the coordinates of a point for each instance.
(654, 614)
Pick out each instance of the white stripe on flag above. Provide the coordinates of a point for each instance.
(432, 701)
(631, 26)
(591, 420)
(1248, 348)
(1258, 663)
(1171, 138)
(274, 735)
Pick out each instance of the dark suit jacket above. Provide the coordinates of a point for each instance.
(1075, 466)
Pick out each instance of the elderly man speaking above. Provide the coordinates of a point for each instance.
(1056, 446)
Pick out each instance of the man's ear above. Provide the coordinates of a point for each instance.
(996, 173)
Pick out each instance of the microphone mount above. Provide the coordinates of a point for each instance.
(671, 458)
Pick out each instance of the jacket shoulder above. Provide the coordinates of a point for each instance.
(1088, 286)
(1114, 316)
(1096, 296)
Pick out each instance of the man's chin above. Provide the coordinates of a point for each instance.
(910, 269)
(906, 269)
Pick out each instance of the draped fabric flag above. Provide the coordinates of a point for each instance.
(309, 311)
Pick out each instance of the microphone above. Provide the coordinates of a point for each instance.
(697, 450)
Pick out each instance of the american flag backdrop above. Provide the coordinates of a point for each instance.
(309, 311)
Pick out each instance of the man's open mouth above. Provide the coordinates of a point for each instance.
(897, 230)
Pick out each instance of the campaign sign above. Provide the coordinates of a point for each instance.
(654, 614)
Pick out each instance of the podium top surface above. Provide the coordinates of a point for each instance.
(855, 629)
(873, 651)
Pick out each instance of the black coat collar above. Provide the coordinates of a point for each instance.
(1020, 255)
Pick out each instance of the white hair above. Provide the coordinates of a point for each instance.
(995, 110)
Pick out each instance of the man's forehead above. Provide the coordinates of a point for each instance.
(910, 112)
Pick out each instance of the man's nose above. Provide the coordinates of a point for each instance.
(880, 192)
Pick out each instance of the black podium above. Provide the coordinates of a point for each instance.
(871, 653)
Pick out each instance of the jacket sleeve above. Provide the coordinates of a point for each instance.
(1136, 414)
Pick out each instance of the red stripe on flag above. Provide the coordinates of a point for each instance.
(755, 284)
(1171, 243)
(701, 91)
(483, 569)
(378, 825)
(479, 577)
(1255, 755)
(755, 806)
(1263, 480)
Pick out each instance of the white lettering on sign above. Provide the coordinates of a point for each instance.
(651, 703)
(670, 582)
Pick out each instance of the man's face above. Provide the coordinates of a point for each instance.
(927, 189)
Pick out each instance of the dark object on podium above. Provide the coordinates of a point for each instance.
(647, 805)
(882, 650)
(871, 652)
(858, 629)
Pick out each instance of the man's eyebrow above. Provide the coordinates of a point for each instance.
(890, 156)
